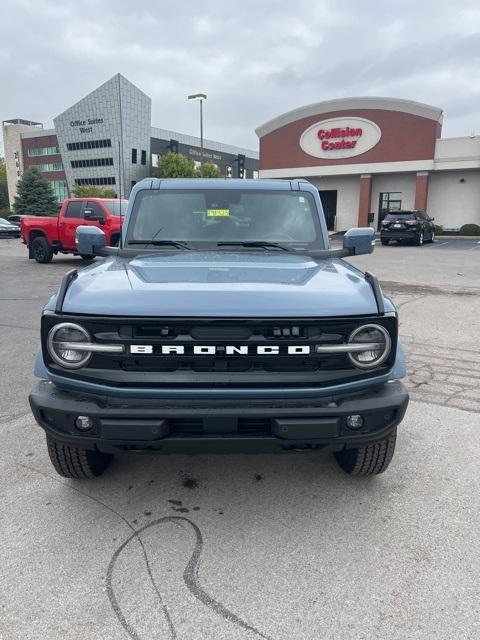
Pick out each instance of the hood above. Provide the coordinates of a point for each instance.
(221, 284)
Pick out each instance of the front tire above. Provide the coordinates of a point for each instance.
(87, 256)
(41, 250)
(370, 460)
(76, 463)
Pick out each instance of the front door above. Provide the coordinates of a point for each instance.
(68, 224)
(329, 204)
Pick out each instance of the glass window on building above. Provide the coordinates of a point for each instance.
(89, 144)
(97, 181)
(134, 156)
(60, 189)
(51, 166)
(144, 157)
(43, 151)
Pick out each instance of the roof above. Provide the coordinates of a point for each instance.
(31, 123)
(166, 134)
(222, 183)
(348, 104)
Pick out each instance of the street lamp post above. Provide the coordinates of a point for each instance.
(200, 97)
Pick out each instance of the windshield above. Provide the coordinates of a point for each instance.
(401, 215)
(226, 216)
(117, 207)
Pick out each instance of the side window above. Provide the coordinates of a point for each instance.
(96, 209)
(74, 209)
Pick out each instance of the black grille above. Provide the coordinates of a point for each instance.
(221, 369)
(195, 427)
(186, 427)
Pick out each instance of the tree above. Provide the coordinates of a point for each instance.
(176, 165)
(34, 195)
(92, 191)
(209, 170)
(4, 202)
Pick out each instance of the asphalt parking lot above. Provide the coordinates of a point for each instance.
(238, 547)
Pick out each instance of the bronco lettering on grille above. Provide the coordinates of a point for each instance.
(229, 350)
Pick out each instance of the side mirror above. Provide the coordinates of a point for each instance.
(91, 216)
(359, 241)
(89, 240)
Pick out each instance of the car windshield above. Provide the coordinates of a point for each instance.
(5, 223)
(401, 215)
(224, 216)
(117, 207)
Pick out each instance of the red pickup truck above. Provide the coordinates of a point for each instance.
(46, 236)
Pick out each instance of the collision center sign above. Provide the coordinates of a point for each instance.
(339, 138)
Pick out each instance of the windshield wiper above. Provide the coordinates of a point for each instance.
(255, 243)
(160, 243)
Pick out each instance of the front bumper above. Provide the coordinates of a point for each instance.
(218, 426)
(9, 234)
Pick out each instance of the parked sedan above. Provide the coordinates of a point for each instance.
(407, 226)
(8, 230)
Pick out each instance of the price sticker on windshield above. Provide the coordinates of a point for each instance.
(218, 213)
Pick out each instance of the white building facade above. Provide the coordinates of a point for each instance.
(368, 156)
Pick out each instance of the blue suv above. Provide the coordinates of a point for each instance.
(223, 322)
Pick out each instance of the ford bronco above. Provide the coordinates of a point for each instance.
(223, 322)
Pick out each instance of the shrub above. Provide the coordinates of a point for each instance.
(470, 230)
(439, 231)
(34, 195)
(92, 191)
(175, 165)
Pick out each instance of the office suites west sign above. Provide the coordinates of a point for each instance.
(339, 138)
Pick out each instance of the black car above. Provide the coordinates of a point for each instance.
(407, 226)
(15, 219)
(8, 230)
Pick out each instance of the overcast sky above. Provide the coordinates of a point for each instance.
(254, 58)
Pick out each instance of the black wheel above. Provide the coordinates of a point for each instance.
(384, 241)
(41, 250)
(369, 460)
(87, 256)
(73, 462)
(432, 237)
(420, 239)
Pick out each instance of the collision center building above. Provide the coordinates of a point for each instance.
(107, 139)
(368, 156)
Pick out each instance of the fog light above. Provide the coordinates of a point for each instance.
(83, 423)
(355, 421)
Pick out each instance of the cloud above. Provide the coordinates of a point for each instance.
(255, 59)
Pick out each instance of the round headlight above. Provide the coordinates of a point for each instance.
(61, 341)
(379, 345)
